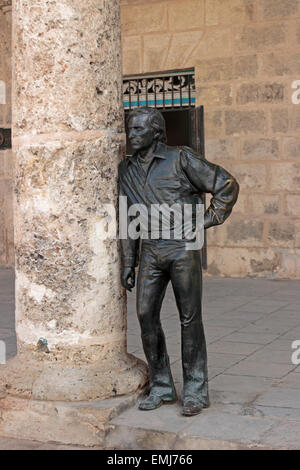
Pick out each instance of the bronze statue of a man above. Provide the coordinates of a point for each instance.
(157, 174)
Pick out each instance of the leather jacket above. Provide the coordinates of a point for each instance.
(175, 175)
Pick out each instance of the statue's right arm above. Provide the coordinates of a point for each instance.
(129, 248)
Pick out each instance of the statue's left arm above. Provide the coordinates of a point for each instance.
(210, 178)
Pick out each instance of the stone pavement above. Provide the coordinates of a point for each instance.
(250, 325)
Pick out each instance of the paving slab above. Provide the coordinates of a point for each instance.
(6, 333)
(165, 418)
(292, 414)
(260, 369)
(227, 382)
(224, 360)
(267, 327)
(291, 308)
(261, 307)
(292, 380)
(280, 345)
(293, 334)
(234, 397)
(279, 396)
(222, 320)
(252, 338)
(272, 356)
(25, 444)
(284, 435)
(250, 317)
(286, 317)
(214, 424)
(233, 347)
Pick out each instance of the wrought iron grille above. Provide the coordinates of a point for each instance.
(170, 90)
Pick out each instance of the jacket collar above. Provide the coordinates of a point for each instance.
(160, 152)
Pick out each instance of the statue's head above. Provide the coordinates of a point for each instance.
(145, 125)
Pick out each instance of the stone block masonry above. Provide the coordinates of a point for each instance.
(245, 57)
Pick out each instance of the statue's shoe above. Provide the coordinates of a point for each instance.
(154, 401)
(193, 406)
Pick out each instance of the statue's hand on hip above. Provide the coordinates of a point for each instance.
(128, 278)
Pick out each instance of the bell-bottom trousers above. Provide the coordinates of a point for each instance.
(160, 262)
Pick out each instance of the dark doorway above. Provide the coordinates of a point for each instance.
(178, 129)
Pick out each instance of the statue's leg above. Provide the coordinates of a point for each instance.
(186, 277)
(151, 287)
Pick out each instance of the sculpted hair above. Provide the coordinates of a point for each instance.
(155, 119)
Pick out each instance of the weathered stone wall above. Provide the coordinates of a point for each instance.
(6, 156)
(246, 57)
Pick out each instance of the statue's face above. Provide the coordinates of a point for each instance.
(140, 134)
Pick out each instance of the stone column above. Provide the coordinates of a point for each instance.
(68, 138)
